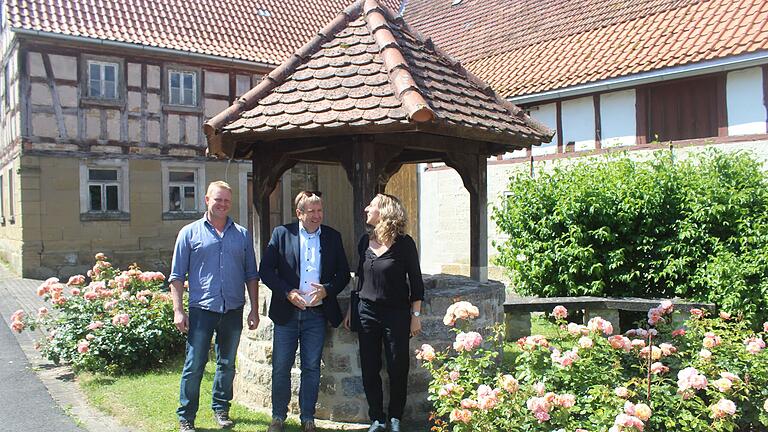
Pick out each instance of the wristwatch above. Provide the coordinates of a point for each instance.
(416, 313)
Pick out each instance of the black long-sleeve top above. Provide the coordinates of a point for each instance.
(392, 279)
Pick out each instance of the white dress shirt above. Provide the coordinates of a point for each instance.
(309, 262)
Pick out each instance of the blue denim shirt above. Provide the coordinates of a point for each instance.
(217, 266)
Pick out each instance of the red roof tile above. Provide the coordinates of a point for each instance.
(536, 46)
(368, 68)
(264, 31)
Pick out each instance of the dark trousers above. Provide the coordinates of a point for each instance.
(390, 328)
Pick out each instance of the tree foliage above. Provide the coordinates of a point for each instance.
(694, 228)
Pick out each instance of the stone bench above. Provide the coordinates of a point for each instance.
(517, 310)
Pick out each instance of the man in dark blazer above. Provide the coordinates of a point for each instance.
(306, 268)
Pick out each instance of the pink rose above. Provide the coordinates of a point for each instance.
(90, 296)
(765, 327)
(427, 353)
(469, 404)
(17, 326)
(599, 324)
(696, 313)
(723, 408)
(659, 368)
(100, 256)
(76, 280)
(642, 411)
(690, 378)
(460, 310)
(585, 342)
(43, 311)
(121, 319)
(461, 415)
(678, 332)
(724, 385)
(565, 400)
(621, 392)
(620, 342)
(454, 375)
(509, 383)
(725, 315)
(467, 341)
(18, 315)
(560, 312)
(75, 291)
(705, 354)
(95, 325)
(82, 346)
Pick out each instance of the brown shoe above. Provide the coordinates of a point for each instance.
(276, 426)
(308, 426)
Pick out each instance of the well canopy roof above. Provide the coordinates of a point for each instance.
(368, 72)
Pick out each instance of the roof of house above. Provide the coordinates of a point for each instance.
(261, 31)
(367, 68)
(534, 46)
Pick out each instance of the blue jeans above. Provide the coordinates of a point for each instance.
(307, 330)
(202, 325)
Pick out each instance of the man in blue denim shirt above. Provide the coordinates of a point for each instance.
(216, 257)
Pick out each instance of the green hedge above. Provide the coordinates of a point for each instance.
(694, 228)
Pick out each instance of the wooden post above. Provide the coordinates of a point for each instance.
(473, 170)
(267, 169)
(368, 165)
(364, 181)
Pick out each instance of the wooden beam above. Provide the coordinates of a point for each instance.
(641, 115)
(267, 170)
(765, 94)
(722, 107)
(598, 126)
(474, 173)
(559, 121)
(54, 96)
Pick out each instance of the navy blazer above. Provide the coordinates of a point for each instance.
(279, 270)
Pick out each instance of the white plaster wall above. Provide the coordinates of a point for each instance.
(617, 118)
(444, 220)
(579, 123)
(546, 114)
(744, 97)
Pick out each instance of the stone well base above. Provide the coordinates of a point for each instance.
(341, 386)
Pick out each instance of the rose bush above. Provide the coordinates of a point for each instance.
(120, 321)
(709, 375)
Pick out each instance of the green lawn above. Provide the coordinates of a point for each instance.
(148, 401)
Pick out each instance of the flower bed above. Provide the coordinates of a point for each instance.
(119, 322)
(709, 375)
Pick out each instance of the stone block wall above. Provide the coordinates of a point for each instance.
(341, 386)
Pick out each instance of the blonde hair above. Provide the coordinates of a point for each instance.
(392, 219)
(306, 197)
(217, 184)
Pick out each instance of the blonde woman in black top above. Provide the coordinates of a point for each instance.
(391, 289)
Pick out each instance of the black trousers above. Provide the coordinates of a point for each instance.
(388, 327)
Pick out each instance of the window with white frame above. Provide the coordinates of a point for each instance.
(102, 80)
(182, 87)
(103, 189)
(183, 189)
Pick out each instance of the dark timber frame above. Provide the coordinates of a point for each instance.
(369, 161)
